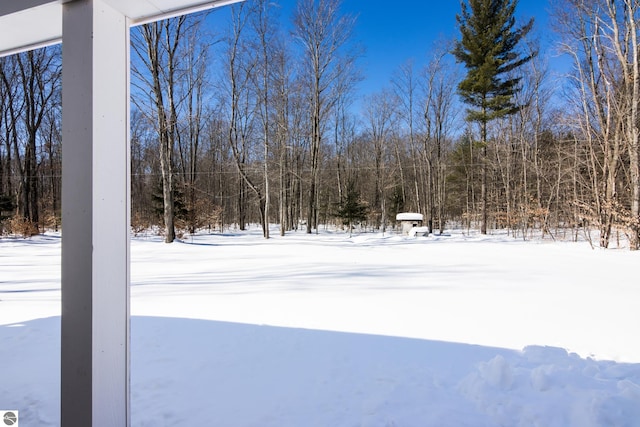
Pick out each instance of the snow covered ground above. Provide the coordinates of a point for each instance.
(326, 330)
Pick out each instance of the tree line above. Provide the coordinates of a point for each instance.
(258, 124)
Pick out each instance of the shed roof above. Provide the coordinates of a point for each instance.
(409, 216)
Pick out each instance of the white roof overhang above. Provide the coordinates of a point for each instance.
(29, 24)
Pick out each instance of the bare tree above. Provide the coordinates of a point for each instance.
(534, 131)
(440, 115)
(52, 166)
(601, 36)
(192, 84)
(249, 88)
(156, 47)
(622, 23)
(267, 47)
(31, 83)
(282, 83)
(381, 120)
(323, 32)
(405, 86)
(169, 73)
(11, 111)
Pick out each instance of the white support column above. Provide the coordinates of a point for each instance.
(95, 216)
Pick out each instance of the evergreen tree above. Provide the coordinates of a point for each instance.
(396, 203)
(6, 209)
(180, 210)
(488, 49)
(351, 209)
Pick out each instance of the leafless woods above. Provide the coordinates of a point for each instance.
(261, 121)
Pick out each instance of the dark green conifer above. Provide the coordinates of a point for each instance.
(488, 49)
(351, 209)
(6, 207)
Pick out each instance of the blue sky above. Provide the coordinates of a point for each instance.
(411, 29)
(394, 32)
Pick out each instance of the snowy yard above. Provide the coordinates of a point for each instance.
(329, 331)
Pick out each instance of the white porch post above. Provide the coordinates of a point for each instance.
(95, 187)
(95, 216)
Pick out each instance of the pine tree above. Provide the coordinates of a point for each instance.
(488, 49)
(352, 209)
(6, 208)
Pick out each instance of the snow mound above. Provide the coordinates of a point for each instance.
(547, 386)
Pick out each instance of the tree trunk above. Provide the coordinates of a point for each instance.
(167, 188)
(483, 188)
(315, 148)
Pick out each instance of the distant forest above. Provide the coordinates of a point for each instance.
(256, 124)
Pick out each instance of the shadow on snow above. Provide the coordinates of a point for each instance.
(198, 372)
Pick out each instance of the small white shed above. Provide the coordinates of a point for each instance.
(411, 224)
